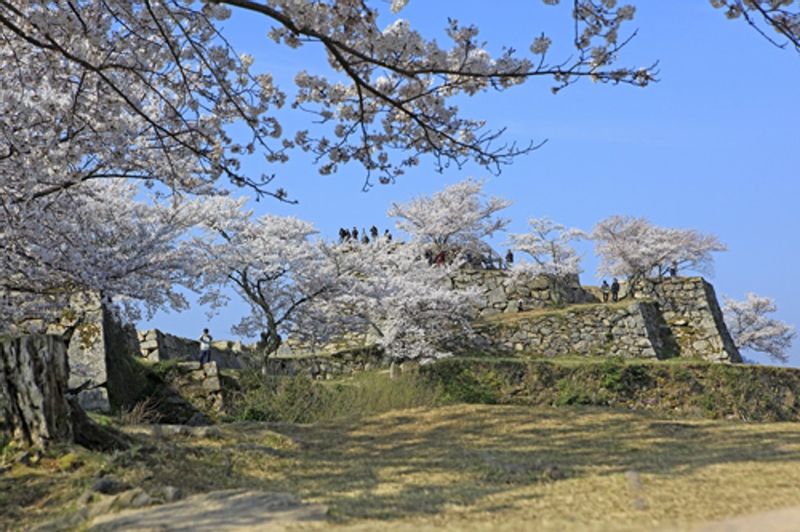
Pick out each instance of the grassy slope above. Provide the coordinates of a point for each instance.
(682, 387)
(460, 467)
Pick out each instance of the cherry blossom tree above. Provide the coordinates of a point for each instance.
(318, 292)
(147, 91)
(548, 246)
(752, 328)
(96, 238)
(273, 264)
(776, 21)
(454, 220)
(387, 292)
(100, 239)
(162, 73)
(637, 249)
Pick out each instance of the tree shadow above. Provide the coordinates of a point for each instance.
(389, 467)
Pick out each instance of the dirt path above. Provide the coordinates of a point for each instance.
(786, 520)
(228, 510)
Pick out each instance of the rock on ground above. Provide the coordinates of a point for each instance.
(223, 511)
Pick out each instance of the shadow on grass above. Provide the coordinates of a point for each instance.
(425, 462)
(392, 466)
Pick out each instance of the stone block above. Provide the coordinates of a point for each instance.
(149, 345)
(212, 384)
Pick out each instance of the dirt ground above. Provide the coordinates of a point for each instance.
(463, 467)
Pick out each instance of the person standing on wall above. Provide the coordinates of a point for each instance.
(604, 288)
(205, 347)
(615, 290)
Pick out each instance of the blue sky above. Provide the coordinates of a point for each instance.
(712, 146)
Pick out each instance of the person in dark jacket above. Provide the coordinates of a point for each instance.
(615, 290)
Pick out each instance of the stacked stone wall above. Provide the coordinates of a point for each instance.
(631, 330)
(690, 308)
(100, 354)
(158, 346)
(503, 292)
(328, 366)
(201, 386)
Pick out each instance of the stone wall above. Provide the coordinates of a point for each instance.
(631, 330)
(328, 366)
(100, 354)
(673, 317)
(690, 308)
(557, 317)
(158, 346)
(506, 293)
(199, 385)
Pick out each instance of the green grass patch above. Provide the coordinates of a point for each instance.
(680, 387)
(300, 399)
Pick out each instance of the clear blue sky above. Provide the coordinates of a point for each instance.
(712, 146)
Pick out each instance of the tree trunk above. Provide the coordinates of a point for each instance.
(33, 377)
(269, 343)
(35, 408)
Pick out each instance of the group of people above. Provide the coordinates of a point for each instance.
(351, 235)
(612, 290)
(488, 262)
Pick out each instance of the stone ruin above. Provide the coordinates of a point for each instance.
(104, 373)
(547, 316)
(98, 352)
(673, 317)
(505, 293)
(156, 346)
(536, 317)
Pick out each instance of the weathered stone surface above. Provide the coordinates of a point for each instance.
(100, 355)
(692, 311)
(109, 486)
(229, 510)
(149, 345)
(503, 292)
(162, 346)
(329, 366)
(589, 330)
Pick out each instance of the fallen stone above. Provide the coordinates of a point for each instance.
(223, 511)
(28, 457)
(171, 494)
(109, 486)
(198, 419)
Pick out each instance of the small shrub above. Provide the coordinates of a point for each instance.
(142, 413)
(572, 393)
(477, 384)
(611, 371)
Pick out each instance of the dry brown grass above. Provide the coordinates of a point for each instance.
(468, 467)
